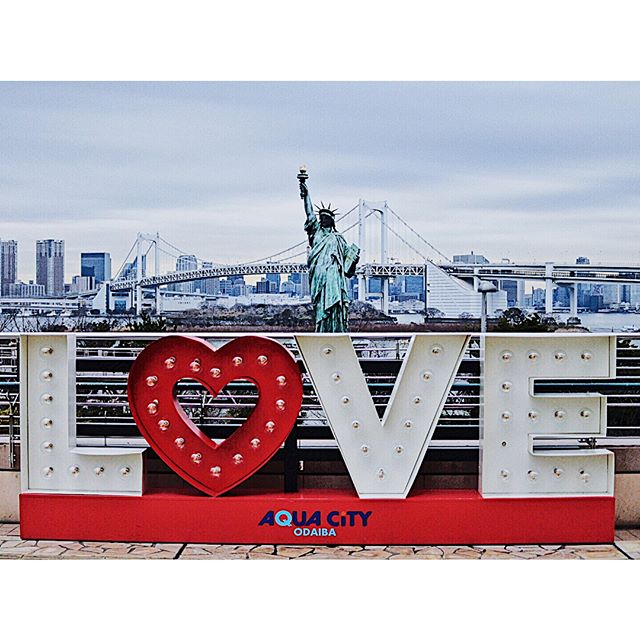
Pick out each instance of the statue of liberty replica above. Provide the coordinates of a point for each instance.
(332, 260)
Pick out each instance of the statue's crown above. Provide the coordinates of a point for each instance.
(326, 209)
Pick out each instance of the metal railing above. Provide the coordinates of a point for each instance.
(104, 419)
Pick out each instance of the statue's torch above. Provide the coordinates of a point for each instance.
(302, 178)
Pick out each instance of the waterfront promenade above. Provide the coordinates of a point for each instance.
(625, 547)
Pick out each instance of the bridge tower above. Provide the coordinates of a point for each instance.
(366, 209)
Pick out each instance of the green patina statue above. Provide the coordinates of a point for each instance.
(332, 260)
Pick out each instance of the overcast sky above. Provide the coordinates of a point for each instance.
(527, 171)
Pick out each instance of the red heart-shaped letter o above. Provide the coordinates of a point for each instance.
(210, 467)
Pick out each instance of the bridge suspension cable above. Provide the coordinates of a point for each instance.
(419, 236)
(302, 243)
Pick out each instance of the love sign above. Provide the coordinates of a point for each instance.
(383, 456)
(527, 444)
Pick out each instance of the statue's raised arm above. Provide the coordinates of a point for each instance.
(311, 225)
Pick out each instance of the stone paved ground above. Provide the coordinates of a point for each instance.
(626, 546)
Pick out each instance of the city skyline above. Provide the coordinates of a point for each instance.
(491, 167)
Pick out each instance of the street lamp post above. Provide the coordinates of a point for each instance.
(485, 287)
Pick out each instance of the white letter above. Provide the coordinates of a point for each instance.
(50, 460)
(383, 459)
(516, 419)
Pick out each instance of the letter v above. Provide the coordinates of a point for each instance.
(383, 458)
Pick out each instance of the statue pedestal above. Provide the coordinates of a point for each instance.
(426, 517)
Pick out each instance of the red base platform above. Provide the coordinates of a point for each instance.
(320, 517)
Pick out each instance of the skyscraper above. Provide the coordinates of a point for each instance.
(97, 265)
(50, 266)
(8, 265)
(186, 263)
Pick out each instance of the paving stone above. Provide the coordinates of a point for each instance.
(628, 534)
(429, 553)
(368, 552)
(461, 553)
(630, 547)
(264, 548)
(293, 552)
(597, 551)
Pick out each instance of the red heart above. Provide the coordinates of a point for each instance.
(210, 467)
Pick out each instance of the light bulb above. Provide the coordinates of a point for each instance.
(170, 362)
(47, 423)
(47, 472)
(436, 350)
(46, 375)
(586, 355)
(47, 398)
(533, 415)
(533, 355)
(558, 472)
(427, 375)
(125, 471)
(215, 372)
(327, 351)
(152, 408)
(280, 405)
(74, 471)
(408, 424)
(560, 414)
(98, 471)
(399, 449)
(506, 355)
(238, 459)
(585, 413)
(281, 380)
(195, 365)
(505, 416)
(151, 381)
(560, 355)
(196, 458)
(533, 475)
(237, 361)
(381, 473)
(255, 443)
(355, 424)
(417, 400)
(270, 426)
(163, 424)
(179, 442)
(46, 351)
(506, 386)
(336, 377)
(262, 360)
(345, 399)
(364, 448)
(504, 473)
(215, 471)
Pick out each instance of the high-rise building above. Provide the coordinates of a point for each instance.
(274, 282)
(186, 263)
(50, 266)
(210, 286)
(96, 265)
(8, 265)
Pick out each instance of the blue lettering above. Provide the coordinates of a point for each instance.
(283, 518)
(267, 519)
(331, 518)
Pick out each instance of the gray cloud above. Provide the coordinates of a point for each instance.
(524, 170)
